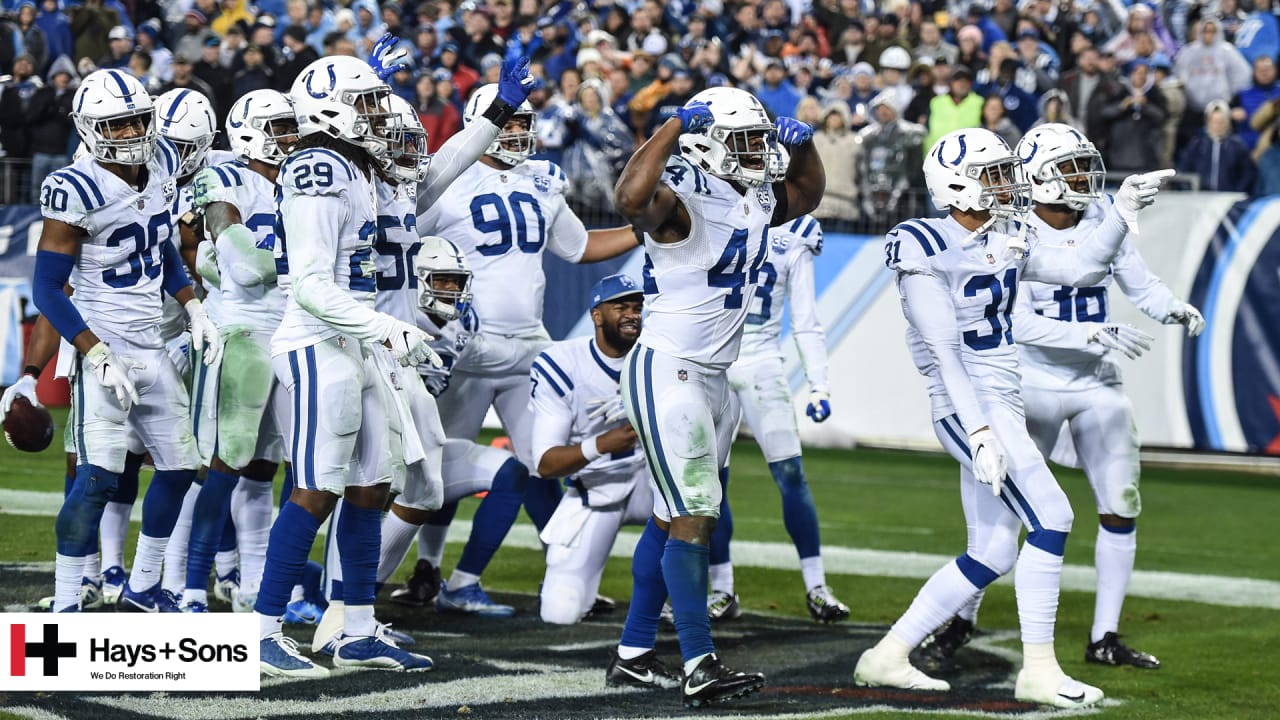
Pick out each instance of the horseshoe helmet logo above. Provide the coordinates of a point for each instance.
(333, 80)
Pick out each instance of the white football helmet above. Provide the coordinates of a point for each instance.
(511, 148)
(410, 160)
(1063, 166)
(440, 258)
(974, 169)
(741, 144)
(261, 126)
(185, 117)
(342, 98)
(106, 103)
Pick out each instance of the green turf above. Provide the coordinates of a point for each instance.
(1219, 662)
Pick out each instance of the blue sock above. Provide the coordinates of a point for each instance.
(495, 516)
(648, 589)
(444, 516)
(228, 532)
(127, 489)
(76, 528)
(724, 527)
(208, 521)
(291, 537)
(312, 591)
(163, 502)
(287, 488)
(359, 541)
(68, 482)
(684, 565)
(541, 498)
(798, 512)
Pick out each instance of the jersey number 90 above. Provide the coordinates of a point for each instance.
(491, 213)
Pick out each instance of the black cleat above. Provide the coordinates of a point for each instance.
(422, 588)
(824, 606)
(603, 605)
(646, 671)
(944, 643)
(713, 682)
(722, 606)
(1110, 651)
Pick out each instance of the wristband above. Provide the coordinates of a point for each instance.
(498, 113)
(589, 449)
(32, 370)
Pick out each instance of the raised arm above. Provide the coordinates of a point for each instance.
(640, 195)
(806, 178)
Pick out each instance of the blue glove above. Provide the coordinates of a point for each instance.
(819, 400)
(793, 132)
(516, 83)
(695, 117)
(388, 57)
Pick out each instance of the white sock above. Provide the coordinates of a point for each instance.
(358, 620)
(812, 571)
(175, 555)
(147, 561)
(461, 579)
(397, 536)
(1036, 581)
(431, 539)
(268, 625)
(1040, 658)
(721, 577)
(92, 568)
(112, 532)
(192, 595)
(894, 647)
(1113, 556)
(225, 561)
(936, 603)
(297, 594)
(251, 506)
(631, 653)
(691, 665)
(970, 610)
(66, 581)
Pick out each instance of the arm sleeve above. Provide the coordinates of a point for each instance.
(52, 271)
(1032, 328)
(311, 269)
(552, 414)
(456, 155)
(929, 309)
(175, 276)
(1086, 263)
(1140, 285)
(811, 341)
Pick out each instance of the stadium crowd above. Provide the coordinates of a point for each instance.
(1185, 83)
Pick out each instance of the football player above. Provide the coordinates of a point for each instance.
(762, 397)
(705, 189)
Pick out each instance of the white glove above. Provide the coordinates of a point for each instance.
(25, 387)
(1188, 315)
(989, 465)
(1136, 193)
(1127, 339)
(819, 408)
(204, 334)
(609, 408)
(409, 346)
(113, 373)
(207, 263)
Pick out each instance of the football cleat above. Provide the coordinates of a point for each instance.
(1056, 689)
(1110, 651)
(401, 639)
(91, 593)
(942, 645)
(329, 629)
(422, 587)
(225, 586)
(646, 671)
(149, 601)
(712, 681)
(377, 651)
(472, 600)
(302, 612)
(45, 603)
(875, 669)
(722, 606)
(243, 601)
(194, 606)
(824, 606)
(280, 658)
(603, 605)
(113, 579)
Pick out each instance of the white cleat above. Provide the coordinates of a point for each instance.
(329, 629)
(1056, 689)
(876, 670)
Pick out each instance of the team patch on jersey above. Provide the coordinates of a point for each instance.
(543, 183)
(764, 198)
(778, 244)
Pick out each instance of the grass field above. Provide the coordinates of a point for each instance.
(1219, 661)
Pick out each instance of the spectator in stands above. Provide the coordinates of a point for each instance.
(261, 34)
(57, 30)
(120, 48)
(1231, 17)
(852, 44)
(1211, 69)
(140, 68)
(476, 38)
(464, 77)
(1268, 182)
(34, 42)
(996, 119)
(210, 69)
(933, 46)
(1039, 63)
(90, 23)
(184, 77)
(335, 43)
(863, 88)
(297, 55)
(1218, 156)
(1087, 89)
(195, 32)
(319, 24)
(888, 159)
(923, 85)
(148, 40)
(970, 52)
(365, 22)
(50, 123)
(1019, 105)
(1135, 117)
(894, 64)
(775, 91)
(551, 127)
(680, 89)
(1140, 22)
(601, 145)
(231, 12)
(15, 104)
(1005, 16)
(253, 74)
(439, 117)
(1175, 104)
(1246, 102)
(959, 108)
(1055, 107)
(838, 147)
(295, 14)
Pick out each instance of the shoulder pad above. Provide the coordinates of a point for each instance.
(70, 195)
(808, 231)
(547, 176)
(317, 171)
(910, 245)
(549, 369)
(685, 178)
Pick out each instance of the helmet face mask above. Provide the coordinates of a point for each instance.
(410, 161)
(517, 140)
(741, 145)
(115, 118)
(444, 278)
(261, 126)
(342, 98)
(974, 170)
(1005, 190)
(1064, 167)
(186, 120)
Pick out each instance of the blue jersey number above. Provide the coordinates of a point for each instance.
(362, 258)
(318, 175)
(996, 312)
(1067, 296)
(53, 198)
(490, 214)
(144, 260)
(731, 270)
(764, 291)
(255, 223)
(401, 255)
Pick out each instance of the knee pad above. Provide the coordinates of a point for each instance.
(788, 474)
(562, 603)
(998, 555)
(1124, 501)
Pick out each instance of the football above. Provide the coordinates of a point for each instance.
(27, 427)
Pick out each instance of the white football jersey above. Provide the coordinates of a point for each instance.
(260, 307)
(339, 248)
(503, 220)
(396, 247)
(450, 340)
(118, 276)
(698, 291)
(566, 378)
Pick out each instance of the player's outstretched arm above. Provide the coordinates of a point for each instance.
(609, 243)
(1149, 293)
(639, 194)
(806, 179)
(806, 328)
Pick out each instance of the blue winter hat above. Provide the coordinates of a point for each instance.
(612, 287)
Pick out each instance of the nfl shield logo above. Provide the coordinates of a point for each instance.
(542, 183)
(681, 375)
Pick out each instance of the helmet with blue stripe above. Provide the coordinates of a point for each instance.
(410, 159)
(974, 169)
(741, 144)
(510, 146)
(1063, 166)
(261, 126)
(341, 97)
(115, 118)
(438, 265)
(185, 117)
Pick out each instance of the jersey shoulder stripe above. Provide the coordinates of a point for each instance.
(537, 367)
(544, 357)
(84, 186)
(910, 228)
(615, 375)
(168, 155)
